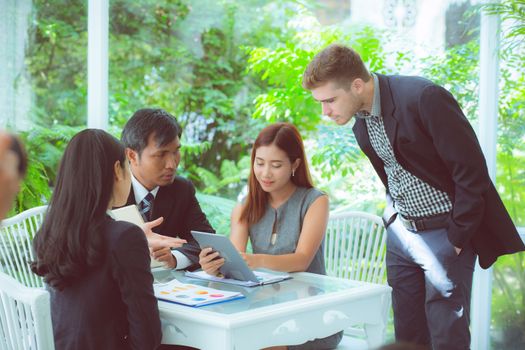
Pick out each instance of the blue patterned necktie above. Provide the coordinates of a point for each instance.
(145, 207)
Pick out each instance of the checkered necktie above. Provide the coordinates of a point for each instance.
(145, 207)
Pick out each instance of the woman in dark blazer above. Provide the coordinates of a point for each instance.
(97, 269)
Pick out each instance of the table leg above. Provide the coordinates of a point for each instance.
(375, 332)
(375, 335)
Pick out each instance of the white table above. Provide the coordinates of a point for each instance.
(291, 312)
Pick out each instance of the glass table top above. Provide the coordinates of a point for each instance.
(301, 286)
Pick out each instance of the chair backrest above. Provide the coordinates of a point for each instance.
(25, 316)
(355, 247)
(16, 251)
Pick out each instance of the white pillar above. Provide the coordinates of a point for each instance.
(98, 39)
(487, 133)
(15, 87)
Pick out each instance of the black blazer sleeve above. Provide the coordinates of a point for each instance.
(195, 220)
(131, 269)
(457, 146)
(178, 205)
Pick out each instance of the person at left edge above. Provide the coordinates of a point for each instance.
(13, 167)
(152, 141)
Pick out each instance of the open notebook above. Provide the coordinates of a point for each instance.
(131, 214)
(192, 294)
(262, 278)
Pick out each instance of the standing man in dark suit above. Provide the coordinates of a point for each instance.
(152, 141)
(442, 210)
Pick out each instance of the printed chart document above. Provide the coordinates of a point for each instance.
(192, 294)
(131, 214)
(262, 277)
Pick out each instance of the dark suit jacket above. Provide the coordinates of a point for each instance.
(182, 213)
(433, 140)
(112, 306)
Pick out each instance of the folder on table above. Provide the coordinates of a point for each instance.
(131, 214)
(191, 294)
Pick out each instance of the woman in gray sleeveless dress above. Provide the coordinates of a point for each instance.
(284, 216)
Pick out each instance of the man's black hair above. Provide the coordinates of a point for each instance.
(148, 121)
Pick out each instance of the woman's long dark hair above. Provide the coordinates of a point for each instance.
(69, 243)
(287, 138)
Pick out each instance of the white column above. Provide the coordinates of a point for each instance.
(98, 39)
(488, 118)
(15, 87)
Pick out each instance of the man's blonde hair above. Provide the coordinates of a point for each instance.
(337, 63)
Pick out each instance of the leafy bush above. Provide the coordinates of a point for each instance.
(218, 211)
(44, 149)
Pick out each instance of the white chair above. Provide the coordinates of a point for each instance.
(16, 250)
(25, 316)
(355, 249)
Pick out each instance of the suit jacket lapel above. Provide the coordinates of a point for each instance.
(361, 135)
(131, 197)
(389, 121)
(387, 109)
(163, 206)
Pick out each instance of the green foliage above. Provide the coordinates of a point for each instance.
(207, 62)
(286, 100)
(44, 150)
(34, 191)
(458, 71)
(335, 151)
(218, 211)
(188, 57)
(511, 180)
(508, 302)
(232, 176)
(57, 62)
(512, 12)
(191, 60)
(282, 68)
